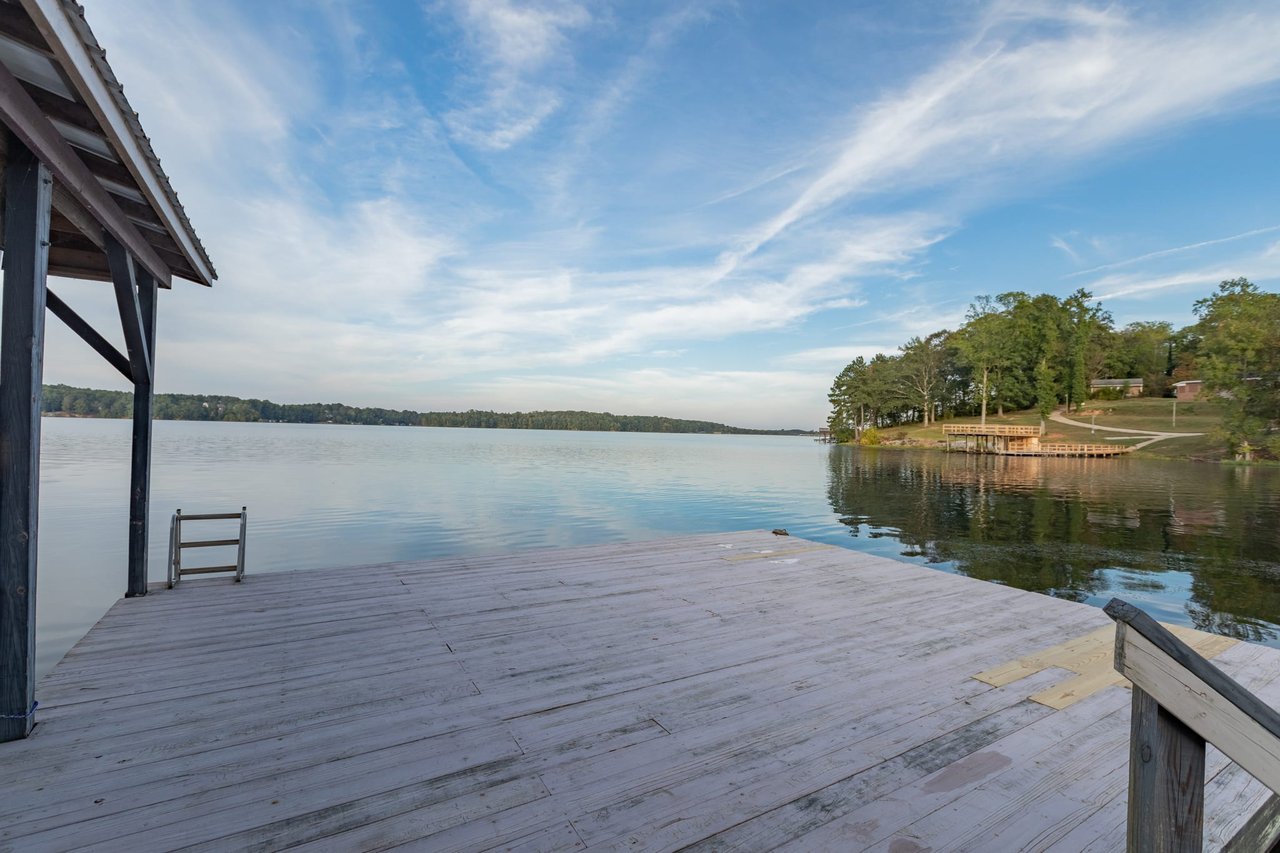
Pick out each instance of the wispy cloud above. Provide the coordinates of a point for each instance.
(613, 96)
(1119, 287)
(512, 45)
(834, 358)
(1261, 265)
(1022, 91)
(1178, 250)
(1065, 247)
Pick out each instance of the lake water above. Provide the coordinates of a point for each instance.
(1195, 544)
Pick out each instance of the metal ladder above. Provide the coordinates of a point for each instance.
(176, 544)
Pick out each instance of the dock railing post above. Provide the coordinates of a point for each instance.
(170, 574)
(1166, 780)
(244, 521)
(175, 549)
(1181, 702)
(28, 190)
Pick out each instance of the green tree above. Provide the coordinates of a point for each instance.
(1024, 344)
(1146, 350)
(1086, 329)
(921, 371)
(1046, 391)
(1239, 359)
(848, 401)
(882, 392)
(982, 345)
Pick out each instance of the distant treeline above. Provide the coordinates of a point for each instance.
(94, 403)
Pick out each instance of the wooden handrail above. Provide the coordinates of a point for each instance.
(1015, 430)
(1066, 447)
(1180, 702)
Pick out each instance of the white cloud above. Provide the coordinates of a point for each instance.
(1178, 269)
(1179, 250)
(835, 358)
(512, 45)
(207, 87)
(599, 113)
(1061, 244)
(519, 37)
(1264, 266)
(1025, 95)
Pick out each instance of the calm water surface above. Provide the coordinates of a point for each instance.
(1195, 544)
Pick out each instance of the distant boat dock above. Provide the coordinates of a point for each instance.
(739, 691)
(1011, 440)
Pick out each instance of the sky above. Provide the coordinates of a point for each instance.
(692, 209)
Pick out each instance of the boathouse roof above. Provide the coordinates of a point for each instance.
(59, 95)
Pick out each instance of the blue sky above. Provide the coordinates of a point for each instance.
(693, 209)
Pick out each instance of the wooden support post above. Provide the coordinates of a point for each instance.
(1166, 781)
(28, 200)
(140, 476)
(125, 280)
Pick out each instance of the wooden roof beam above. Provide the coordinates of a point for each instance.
(28, 123)
(135, 333)
(64, 203)
(52, 19)
(89, 334)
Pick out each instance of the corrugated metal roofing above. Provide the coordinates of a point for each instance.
(48, 46)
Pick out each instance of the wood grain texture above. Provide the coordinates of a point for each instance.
(1147, 634)
(1166, 780)
(638, 696)
(1092, 658)
(28, 192)
(140, 467)
(1262, 832)
(1213, 716)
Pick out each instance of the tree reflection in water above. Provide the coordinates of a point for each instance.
(1193, 543)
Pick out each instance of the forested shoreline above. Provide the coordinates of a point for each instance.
(69, 401)
(1016, 351)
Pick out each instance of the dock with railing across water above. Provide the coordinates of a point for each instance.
(731, 691)
(1018, 440)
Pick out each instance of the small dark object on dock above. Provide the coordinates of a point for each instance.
(781, 531)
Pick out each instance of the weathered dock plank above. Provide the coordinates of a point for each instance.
(730, 692)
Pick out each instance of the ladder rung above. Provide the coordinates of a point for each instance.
(207, 516)
(207, 570)
(208, 543)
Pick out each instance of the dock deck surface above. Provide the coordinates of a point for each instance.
(722, 692)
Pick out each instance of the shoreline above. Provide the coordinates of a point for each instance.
(935, 448)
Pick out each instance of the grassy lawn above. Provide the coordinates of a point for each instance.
(1203, 416)
(1153, 414)
(1147, 413)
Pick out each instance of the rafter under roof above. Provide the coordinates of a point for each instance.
(56, 86)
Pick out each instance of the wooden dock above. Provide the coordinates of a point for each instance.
(1067, 448)
(1017, 440)
(729, 692)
